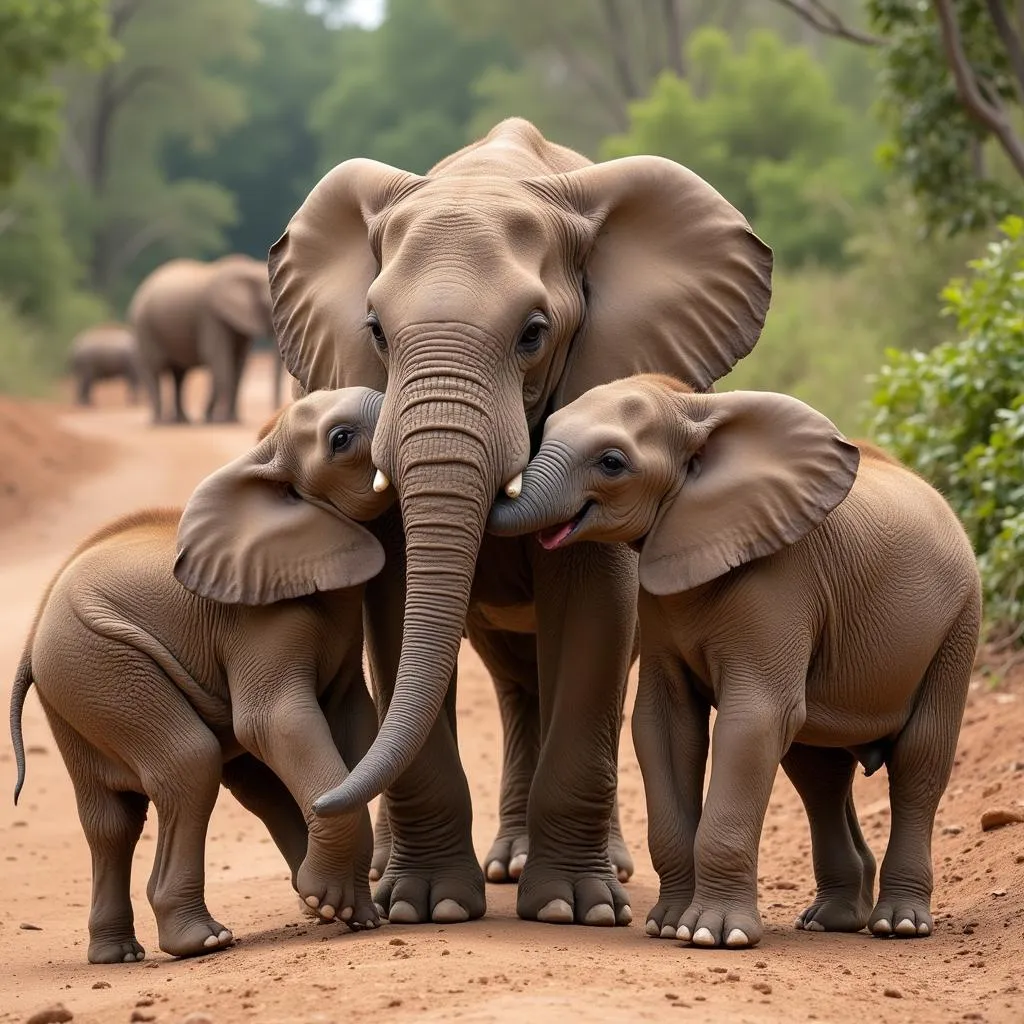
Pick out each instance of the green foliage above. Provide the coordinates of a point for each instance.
(935, 145)
(814, 346)
(36, 38)
(763, 126)
(404, 94)
(956, 414)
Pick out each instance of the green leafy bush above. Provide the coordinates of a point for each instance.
(956, 414)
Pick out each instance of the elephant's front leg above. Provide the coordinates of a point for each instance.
(279, 720)
(670, 734)
(586, 619)
(432, 873)
(758, 716)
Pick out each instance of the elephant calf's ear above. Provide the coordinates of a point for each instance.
(247, 537)
(771, 469)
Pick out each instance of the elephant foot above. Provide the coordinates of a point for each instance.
(664, 917)
(507, 857)
(183, 934)
(710, 924)
(902, 917)
(116, 951)
(445, 890)
(550, 894)
(836, 912)
(336, 896)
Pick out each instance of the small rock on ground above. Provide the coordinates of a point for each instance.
(997, 817)
(56, 1014)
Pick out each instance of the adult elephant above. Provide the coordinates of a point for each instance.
(104, 352)
(511, 278)
(188, 314)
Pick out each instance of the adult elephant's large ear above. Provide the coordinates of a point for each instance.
(767, 470)
(236, 299)
(677, 282)
(247, 537)
(320, 270)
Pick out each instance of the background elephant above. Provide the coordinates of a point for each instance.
(188, 314)
(154, 693)
(104, 352)
(824, 599)
(509, 279)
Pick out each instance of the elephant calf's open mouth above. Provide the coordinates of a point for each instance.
(555, 536)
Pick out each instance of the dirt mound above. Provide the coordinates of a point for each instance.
(40, 459)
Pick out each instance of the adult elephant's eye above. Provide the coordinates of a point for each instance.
(532, 334)
(379, 338)
(339, 439)
(613, 463)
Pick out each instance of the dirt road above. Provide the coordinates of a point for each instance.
(286, 969)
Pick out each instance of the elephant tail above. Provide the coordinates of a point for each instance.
(22, 684)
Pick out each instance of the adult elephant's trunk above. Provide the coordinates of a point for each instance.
(444, 478)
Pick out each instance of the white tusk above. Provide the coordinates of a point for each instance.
(380, 482)
(515, 486)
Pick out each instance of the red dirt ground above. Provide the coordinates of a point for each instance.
(70, 470)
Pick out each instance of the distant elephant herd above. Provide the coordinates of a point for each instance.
(184, 315)
(505, 429)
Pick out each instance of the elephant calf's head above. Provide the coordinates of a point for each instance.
(702, 482)
(283, 520)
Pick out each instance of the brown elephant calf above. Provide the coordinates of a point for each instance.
(156, 693)
(823, 598)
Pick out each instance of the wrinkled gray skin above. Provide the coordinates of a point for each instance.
(155, 693)
(481, 296)
(104, 352)
(188, 314)
(822, 597)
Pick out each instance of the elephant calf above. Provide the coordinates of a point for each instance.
(157, 693)
(104, 352)
(821, 596)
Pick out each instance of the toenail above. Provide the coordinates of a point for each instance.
(882, 927)
(381, 910)
(703, 937)
(449, 912)
(210, 940)
(668, 932)
(814, 926)
(496, 871)
(602, 914)
(128, 958)
(346, 914)
(555, 912)
(738, 937)
(374, 875)
(683, 933)
(369, 924)
(403, 913)
(906, 927)
(923, 929)
(516, 865)
(312, 901)
(327, 911)
(626, 915)
(653, 930)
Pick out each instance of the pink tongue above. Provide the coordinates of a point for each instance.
(550, 539)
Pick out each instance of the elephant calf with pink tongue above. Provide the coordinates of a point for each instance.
(821, 596)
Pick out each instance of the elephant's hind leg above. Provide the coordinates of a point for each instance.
(112, 822)
(511, 659)
(844, 867)
(919, 769)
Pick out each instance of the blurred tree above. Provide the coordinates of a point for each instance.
(763, 125)
(123, 211)
(269, 161)
(403, 93)
(952, 91)
(36, 38)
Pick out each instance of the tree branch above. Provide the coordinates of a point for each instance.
(1011, 42)
(983, 111)
(828, 23)
(618, 42)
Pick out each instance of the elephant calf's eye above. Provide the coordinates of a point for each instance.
(379, 338)
(612, 463)
(532, 334)
(339, 439)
